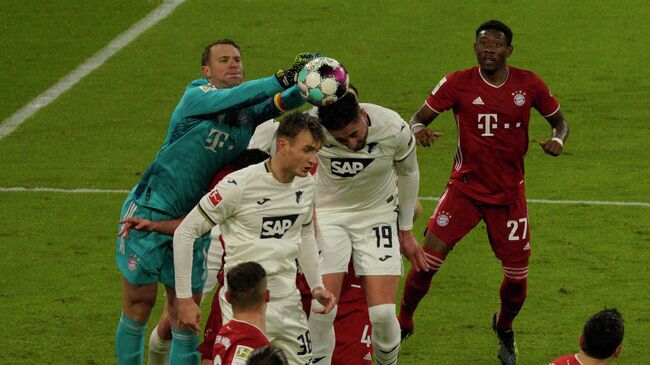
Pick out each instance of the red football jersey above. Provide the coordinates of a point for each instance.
(492, 129)
(235, 341)
(567, 360)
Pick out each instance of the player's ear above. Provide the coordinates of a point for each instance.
(617, 353)
(267, 295)
(205, 70)
(580, 341)
(510, 49)
(282, 143)
(228, 297)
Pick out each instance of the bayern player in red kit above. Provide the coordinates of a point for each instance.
(600, 342)
(491, 105)
(248, 295)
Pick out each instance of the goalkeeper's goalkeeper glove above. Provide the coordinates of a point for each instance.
(289, 77)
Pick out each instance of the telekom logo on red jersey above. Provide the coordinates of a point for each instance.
(486, 123)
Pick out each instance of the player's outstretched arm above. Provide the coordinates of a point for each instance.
(290, 98)
(204, 99)
(141, 224)
(419, 122)
(560, 132)
(192, 227)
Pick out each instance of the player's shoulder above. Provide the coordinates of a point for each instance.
(200, 85)
(566, 360)
(521, 74)
(462, 76)
(383, 117)
(520, 71)
(246, 174)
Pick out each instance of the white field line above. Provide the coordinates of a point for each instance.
(10, 124)
(123, 191)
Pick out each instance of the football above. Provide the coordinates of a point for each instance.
(322, 81)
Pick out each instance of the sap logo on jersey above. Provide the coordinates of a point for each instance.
(348, 167)
(276, 227)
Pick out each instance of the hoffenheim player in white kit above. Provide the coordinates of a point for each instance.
(265, 212)
(367, 165)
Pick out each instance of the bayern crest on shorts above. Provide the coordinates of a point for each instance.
(442, 219)
(133, 263)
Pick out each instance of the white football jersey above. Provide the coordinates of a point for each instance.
(261, 220)
(264, 136)
(354, 181)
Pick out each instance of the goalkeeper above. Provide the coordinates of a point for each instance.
(212, 123)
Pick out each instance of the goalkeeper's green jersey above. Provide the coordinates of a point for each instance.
(208, 129)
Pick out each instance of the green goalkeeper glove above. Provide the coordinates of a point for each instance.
(289, 77)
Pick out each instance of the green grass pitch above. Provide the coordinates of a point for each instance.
(60, 296)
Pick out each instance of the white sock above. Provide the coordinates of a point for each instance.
(321, 328)
(385, 333)
(158, 349)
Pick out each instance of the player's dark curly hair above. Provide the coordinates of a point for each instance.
(496, 25)
(249, 157)
(603, 333)
(296, 122)
(205, 57)
(338, 115)
(353, 89)
(246, 285)
(267, 355)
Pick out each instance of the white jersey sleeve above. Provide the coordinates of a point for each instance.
(222, 201)
(263, 138)
(405, 142)
(214, 208)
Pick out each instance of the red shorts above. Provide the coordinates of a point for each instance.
(507, 225)
(212, 326)
(353, 334)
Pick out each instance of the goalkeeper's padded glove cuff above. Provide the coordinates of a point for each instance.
(283, 78)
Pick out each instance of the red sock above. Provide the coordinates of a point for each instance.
(513, 294)
(416, 287)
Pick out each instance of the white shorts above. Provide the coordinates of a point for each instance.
(286, 326)
(371, 237)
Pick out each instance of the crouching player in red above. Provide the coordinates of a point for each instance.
(600, 342)
(248, 295)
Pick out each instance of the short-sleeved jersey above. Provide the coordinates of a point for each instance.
(207, 130)
(492, 129)
(567, 360)
(261, 220)
(235, 341)
(353, 181)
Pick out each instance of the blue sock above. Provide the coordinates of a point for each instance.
(183, 351)
(129, 341)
